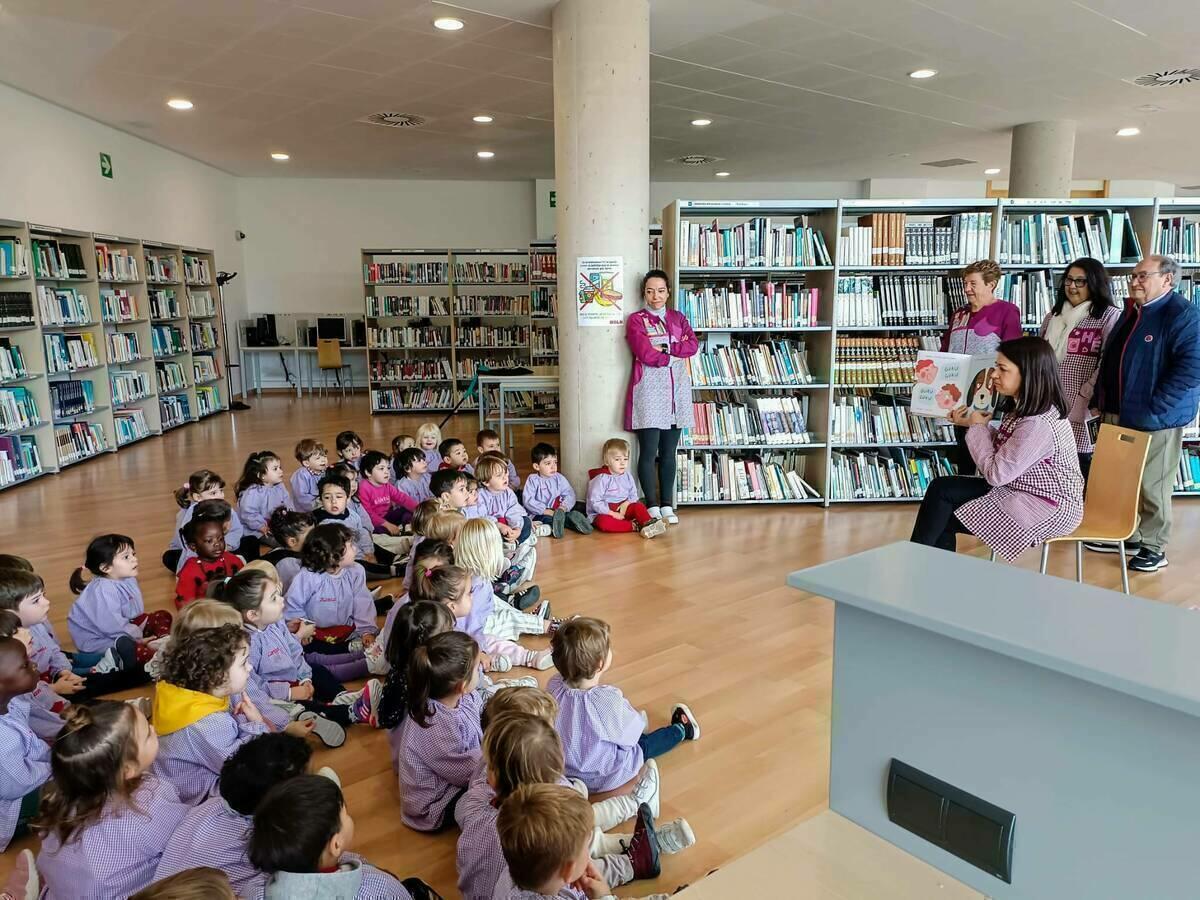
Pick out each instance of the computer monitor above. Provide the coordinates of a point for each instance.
(330, 329)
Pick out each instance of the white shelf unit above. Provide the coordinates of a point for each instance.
(169, 320)
(206, 332)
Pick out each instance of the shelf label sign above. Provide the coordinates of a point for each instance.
(600, 289)
(106, 165)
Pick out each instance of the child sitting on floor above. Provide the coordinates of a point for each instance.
(412, 474)
(429, 523)
(26, 757)
(349, 448)
(205, 484)
(260, 492)
(289, 530)
(548, 496)
(612, 497)
(387, 506)
(429, 440)
(201, 883)
(314, 460)
(391, 544)
(106, 817)
(210, 562)
(46, 708)
(488, 441)
(454, 456)
(497, 501)
(334, 509)
(217, 511)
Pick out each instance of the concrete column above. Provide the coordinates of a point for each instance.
(1043, 155)
(602, 175)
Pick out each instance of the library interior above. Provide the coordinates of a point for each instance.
(808, 387)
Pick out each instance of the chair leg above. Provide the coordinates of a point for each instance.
(1079, 561)
(1124, 570)
(1045, 556)
(992, 558)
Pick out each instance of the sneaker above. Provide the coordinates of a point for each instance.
(681, 715)
(109, 662)
(375, 592)
(347, 698)
(556, 624)
(500, 664)
(1148, 561)
(541, 529)
(643, 846)
(355, 645)
(23, 882)
(1131, 547)
(526, 681)
(655, 512)
(524, 600)
(326, 772)
(654, 529)
(509, 548)
(377, 663)
(331, 733)
(541, 660)
(577, 521)
(675, 836)
(542, 611)
(670, 516)
(383, 604)
(366, 708)
(558, 523)
(648, 787)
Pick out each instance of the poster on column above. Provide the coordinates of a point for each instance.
(600, 286)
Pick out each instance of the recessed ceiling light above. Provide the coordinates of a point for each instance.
(482, 120)
(722, 174)
(180, 103)
(485, 154)
(923, 73)
(700, 123)
(1130, 131)
(280, 157)
(991, 171)
(448, 23)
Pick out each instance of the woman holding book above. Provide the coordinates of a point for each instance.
(1078, 328)
(979, 327)
(1031, 489)
(658, 403)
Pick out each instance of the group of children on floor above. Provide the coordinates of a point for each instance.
(209, 785)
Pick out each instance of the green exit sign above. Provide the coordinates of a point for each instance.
(553, 199)
(106, 165)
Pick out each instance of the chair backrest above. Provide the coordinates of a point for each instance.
(1115, 479)
(329, 353)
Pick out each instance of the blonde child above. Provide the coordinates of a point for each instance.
(314, 460)
(200, 883)
(429, 439)
(205, 484)
(349, 446)
(436, 526)
(105, 797)
(612, 496)
(289, 530)
(260, 491)
(603, 741)
(26, 757)
(488, 441)
(498, 502)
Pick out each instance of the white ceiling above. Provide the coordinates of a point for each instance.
(796, 89)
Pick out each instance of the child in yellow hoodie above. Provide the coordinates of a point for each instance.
(198, 720)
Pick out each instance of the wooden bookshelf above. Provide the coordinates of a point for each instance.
(498, 280)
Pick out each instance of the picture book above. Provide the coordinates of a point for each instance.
(946, 381)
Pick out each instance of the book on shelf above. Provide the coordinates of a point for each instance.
(491, 305)
(72, 398)
(63, 306)
(12, 362)
(908, 239)
(755, 422)
(543, 300)
(175, 409)
(166, 340)
(170, 376)
(415, 335)
(466, 367)
(656, 251)
(130, 425)
(164, 304)
(755, 243)
(161, 268)
(1050, 239)
(196, 270)
(117, 306)
(129, 385)
(16, 309)
(18, 409)
(19, 459)
(407, 307)
(201, 305)
(886, 473)
(123, 347)
(544, 341)
(541, 404)
(416, 370)
(543, 265)
(406, 273)
(1191, 431)
(742, 304)
(115, 264)
(470, 334)
(204, 368)
(79, 440)
(1174, 236)
(491, 272)
(1033, 293)
(878, 417)
(67, 352)
(739, 476)
(747, 365)
(401, 399)
(878, 360)
(59, 260)
(14, 257)
(204, 336)
(945, 381)
(915, 299)
(1187, 478)
(208, 400)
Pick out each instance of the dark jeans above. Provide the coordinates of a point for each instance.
(962, 458)
(658, 742)
(1085, 465)
(656, 464)
(325, 684)
(936, 524)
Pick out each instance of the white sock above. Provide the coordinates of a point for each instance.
(655, 512)
(606, 844)
(613, 811)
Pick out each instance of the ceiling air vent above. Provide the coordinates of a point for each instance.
(695, 159)
(1168, 78)
(394, 120)
(947, 163)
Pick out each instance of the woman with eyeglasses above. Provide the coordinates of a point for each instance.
(1078, 328)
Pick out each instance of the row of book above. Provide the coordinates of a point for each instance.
(406, 273)
(204, 336)
(12, 362)
(115, 264)
(161, 269)
(1108, 236)
(174, 410)
(58, 260)
(521, 404)
(401, 307)
(63, 306)
(742, 304)
(876, 418)
(130, 425)
(544, 341)
(79, 440)
(401, 337)
(484, 336)
(491, 305)
(164, 304)
(887, 301)
(208, 400)
(123, 347)
(16, 309)
(18, 409)
(1188, 477)
(70, 352)
(879, 360)
(204, 368)
(19, 459)
(170, 377)
(399, 399)
(721, 476)
(71, 398)
(1033, 293)
(14, 257)
(466, 367)
(755, 243)
(491, 273)
(656, 251)
(415, 370)
(167, 340)
(903, 239)
(118, 306)
(756, 422)
(201, 305)
(544, 266)
(747, 365)
(196, 270)
(884, 474)
(543, 301)
(1178, 238)
(129, 386)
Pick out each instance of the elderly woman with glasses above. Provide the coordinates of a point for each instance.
(1078, 328)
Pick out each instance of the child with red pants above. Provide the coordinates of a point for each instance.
(612, 496)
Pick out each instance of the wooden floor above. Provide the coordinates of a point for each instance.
(700, 615)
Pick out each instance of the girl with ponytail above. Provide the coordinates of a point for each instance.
(415, 624)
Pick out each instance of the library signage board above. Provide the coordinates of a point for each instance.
(600, 290)
(106, 168)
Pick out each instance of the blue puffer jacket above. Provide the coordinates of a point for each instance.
(1159, 364)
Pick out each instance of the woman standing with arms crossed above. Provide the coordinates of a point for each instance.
(658, 404)
(1078, 328)
(979, 327)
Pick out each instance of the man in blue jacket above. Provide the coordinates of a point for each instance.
(1150, 381)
